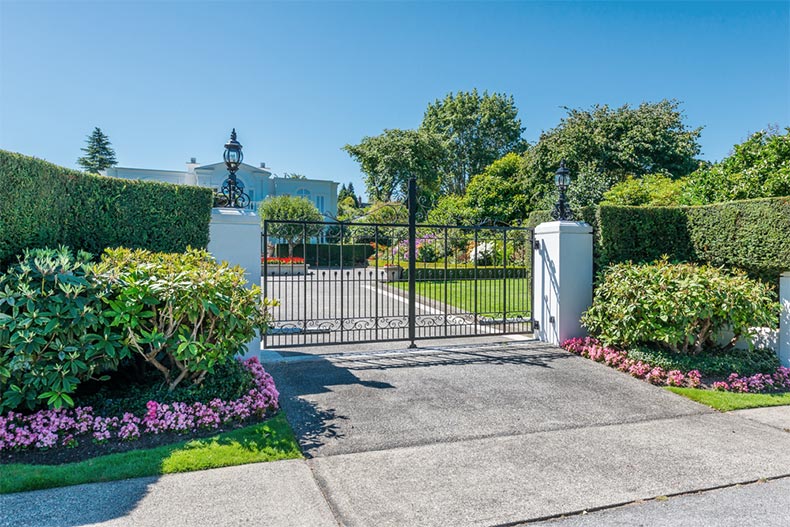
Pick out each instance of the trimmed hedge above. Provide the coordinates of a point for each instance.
(328, 254)
(750, 234)
(483, 273)
(45, 205)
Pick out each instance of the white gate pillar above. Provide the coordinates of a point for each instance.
(784, 320)
(235, 237)
(563, 279)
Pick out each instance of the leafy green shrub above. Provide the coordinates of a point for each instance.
(654, 190)
(758, 168)
(120, 394)
(744, 362)
(184, 314)
(680, 306)
(89, 212)
(52, 331)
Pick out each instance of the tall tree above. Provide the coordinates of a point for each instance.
(603, 145)
(478, 129)
(99, 154)
(389, 159)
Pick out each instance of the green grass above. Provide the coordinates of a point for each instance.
(269, 441)
(490, 298)
(726, 401)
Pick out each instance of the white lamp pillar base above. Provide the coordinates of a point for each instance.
(235, 237)
(563, 279)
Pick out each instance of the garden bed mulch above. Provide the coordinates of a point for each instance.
(87, 449)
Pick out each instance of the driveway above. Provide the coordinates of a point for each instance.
(485, 434)
(500, 433)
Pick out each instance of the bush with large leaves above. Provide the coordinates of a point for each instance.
(53, 334)
(682, 307)
(184, 314)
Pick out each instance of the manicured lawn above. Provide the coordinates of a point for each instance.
(269, 441)
(490, 295)
(726, 401)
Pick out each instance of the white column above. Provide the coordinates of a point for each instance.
(784, 320)
(563, 279)
(235, 237)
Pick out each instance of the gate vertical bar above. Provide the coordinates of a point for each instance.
(376, 284)
(446, 245)
(412, 198)
(342, 235)
(265, 270)
(504, 280)
(304, 297)
(476, 254)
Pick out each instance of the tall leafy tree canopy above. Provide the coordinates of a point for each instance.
(389, 159)
(603, 145)
(478, 129)
(99, 154)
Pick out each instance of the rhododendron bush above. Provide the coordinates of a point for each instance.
(593, 349)
(182, 313)
(682, 307)
(66, 427)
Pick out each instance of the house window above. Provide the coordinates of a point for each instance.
(319, 202)
(303, 193)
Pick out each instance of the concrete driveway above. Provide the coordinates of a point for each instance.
(485, 434)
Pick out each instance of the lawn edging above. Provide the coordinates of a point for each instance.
(271, 440)
(728, 401)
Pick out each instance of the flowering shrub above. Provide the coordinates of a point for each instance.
(64, 427)
(286, 260)
(593, 349)
(680, 306)
(760, 382)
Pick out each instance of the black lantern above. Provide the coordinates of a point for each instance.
(562, 178)
(233, 155)
(232, 192)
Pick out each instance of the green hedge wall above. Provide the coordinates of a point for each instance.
(328, 254)
(751, 235)
(466, 273)
(45, 205)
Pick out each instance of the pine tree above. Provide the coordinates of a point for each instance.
(99, 154)
(350, 192)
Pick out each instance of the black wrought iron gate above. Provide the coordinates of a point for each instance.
(365, 282)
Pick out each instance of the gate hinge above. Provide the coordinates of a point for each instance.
(537, 245)
(535, 324)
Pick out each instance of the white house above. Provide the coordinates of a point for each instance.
(259, 182)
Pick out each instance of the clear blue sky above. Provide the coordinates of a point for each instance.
(168, 80)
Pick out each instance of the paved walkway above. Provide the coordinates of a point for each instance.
(484, 434)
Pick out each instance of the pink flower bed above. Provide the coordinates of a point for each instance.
(63, 427)
(592, 349)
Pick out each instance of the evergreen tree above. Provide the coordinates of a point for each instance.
(341, 195)
(99, 154)
(351, 192)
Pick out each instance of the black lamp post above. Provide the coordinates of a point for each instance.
(233, 189)
(562, 178)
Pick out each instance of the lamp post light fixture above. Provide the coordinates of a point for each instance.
(232, 191)
(562, 211)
